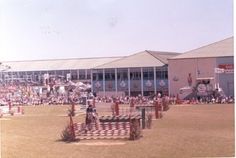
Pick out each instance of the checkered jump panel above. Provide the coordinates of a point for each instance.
(103, 130)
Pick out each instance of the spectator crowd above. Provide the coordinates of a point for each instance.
(22, 93)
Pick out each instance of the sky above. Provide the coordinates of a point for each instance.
(57, 29)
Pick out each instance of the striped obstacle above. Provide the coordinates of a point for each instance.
(6, 111)
(119, 118)
(103, 130)
(118, 127)
(141, 115)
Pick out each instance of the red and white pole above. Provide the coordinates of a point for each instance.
(116, 108)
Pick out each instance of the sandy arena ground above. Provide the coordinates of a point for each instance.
(184, 131)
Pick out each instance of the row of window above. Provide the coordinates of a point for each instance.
(133, 75)
(122, 74)
(38, 75)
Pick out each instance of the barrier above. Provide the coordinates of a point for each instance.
(120, 118)
(154, 109)
(117, 127)
(108, 130)
(151, 109)
(11, 110)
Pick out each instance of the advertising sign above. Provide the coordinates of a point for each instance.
(228, 68)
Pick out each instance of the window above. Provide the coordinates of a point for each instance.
(161, 73)
(100, 76)
(97, 75)
(158, 75)
(148, 74)
(135, 74)
(82, 74)
(110, 74)
(74, 75)
(122, 74)
(165, 74)
(88, 74)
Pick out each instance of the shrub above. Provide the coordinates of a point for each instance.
(67, 134)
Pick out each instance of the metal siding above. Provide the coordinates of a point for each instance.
(58, 64)
(226, 80)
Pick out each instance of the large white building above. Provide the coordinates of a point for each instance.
(145, 73)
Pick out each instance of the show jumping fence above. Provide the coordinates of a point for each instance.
(10, 111)
(125, 122)
(154, 109)
(119, 127)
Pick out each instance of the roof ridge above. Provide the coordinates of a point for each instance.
(202, 47)
(60, 59)
(161, 60)
(208, 45)
(145, 52)
(163, 52)
(119, 59)
(108, 62)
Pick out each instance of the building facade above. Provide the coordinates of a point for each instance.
(36, 71)
(130, 81)
(211, 67)
(144, 73)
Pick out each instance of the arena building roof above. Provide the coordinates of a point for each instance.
(58, 64)
(223, 48)
(145, 58)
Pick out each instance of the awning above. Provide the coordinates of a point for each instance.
(205, 78)
(186, 88)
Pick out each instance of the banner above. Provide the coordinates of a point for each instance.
(228, 68)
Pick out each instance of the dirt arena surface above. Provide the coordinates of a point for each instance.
(184, 131)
